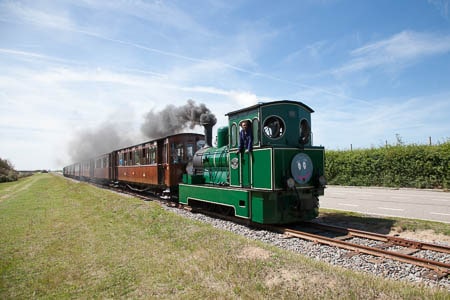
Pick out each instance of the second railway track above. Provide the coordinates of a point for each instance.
(379, 245)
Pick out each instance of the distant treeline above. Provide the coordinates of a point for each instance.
(7, 172)
(417, 166)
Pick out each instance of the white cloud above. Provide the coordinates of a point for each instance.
(13, 11)
(343, 122)
(312, 51)
(160, 13)
(59, 99)
(395, 52)
(96, 61)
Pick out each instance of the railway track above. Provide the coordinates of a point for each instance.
(384, 246)
(361, 242)
(354, 240)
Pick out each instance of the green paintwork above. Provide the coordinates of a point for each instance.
(262, 169)
(278, 208)
(291, 112)
(222, 137)
(266, 207)
(238, 198)
(255, 183)
(282, 165)
(255, 168)
(215, 164)
(265, 167)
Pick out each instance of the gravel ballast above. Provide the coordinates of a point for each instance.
(340, 257)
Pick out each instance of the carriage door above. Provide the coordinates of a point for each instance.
(162, 161)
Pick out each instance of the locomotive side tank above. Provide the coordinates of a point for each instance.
(278, 181)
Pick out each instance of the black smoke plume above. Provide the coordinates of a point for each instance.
(172, 119)
(89, 143)
(109, 136)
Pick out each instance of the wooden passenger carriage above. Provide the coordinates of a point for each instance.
(102, 168)
(157, 164)
(153, 165)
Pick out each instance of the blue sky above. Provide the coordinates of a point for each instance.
(371, 70)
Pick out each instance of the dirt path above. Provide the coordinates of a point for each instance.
(21, 185)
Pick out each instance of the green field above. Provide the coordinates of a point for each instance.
(64, 239)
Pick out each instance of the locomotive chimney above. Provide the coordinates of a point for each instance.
(208, 121)
(208, 135)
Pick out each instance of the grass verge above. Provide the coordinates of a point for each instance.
(64, 239)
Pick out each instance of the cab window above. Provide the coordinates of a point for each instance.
(234, 135)
(255, 129)
(274, 127)
(305, 132)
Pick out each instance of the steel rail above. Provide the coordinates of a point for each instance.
(383, 238)
(441, 268)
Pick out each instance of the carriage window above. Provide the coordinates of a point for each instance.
(180, 152)
(152, 155)
(255, 128)
(177, 153)
(164, 154)
(189, 151)
(274, 127)
(144, 158)
(234, 135)
(136, 160)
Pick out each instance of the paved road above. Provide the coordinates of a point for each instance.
(407, 203)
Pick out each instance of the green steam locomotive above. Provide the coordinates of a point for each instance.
(276, 177)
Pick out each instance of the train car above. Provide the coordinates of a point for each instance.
(278, 181)
(87, 170)
(156, 165)
(102, 168)
(72, 171)
(67, 171)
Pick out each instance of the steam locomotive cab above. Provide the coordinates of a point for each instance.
(278, 181)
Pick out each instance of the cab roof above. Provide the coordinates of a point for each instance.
(262, 104)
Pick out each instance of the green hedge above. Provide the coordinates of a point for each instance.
(7, 172)
(8, 176)
(418, 166)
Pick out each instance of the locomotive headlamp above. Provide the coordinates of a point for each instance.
(322, 180)
(290, 182)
